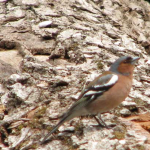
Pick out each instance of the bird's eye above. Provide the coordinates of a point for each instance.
(125, 61)
(128, 60)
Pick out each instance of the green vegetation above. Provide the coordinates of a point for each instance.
(99, 64)
(120, 132)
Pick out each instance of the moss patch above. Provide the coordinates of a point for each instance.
(139, 102)
(68, 142)
(37, 120)
(79, 129)
(119, 132)
(99, 64)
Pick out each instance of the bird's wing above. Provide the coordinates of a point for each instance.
(101, 84)
(96, 88)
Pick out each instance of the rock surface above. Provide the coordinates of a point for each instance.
(49, 50)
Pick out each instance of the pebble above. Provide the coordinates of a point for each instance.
(70, 129)
(127, 104)
(122, 141)
(125, 112)
(45, 24)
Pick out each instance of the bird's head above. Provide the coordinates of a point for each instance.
(124, 65)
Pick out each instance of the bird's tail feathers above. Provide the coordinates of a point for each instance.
(65, 118)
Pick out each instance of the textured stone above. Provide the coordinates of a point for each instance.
(82, 39)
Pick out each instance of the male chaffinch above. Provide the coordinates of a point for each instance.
(103, 93)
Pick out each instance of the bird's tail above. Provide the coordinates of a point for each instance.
(64, 119)
(74, 111)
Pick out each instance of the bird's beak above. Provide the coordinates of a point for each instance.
(135, 60)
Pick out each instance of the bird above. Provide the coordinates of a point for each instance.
(104, 93)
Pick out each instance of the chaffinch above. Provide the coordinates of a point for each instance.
(104, 93)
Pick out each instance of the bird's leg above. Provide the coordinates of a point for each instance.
(101, 125)
(98, 121)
